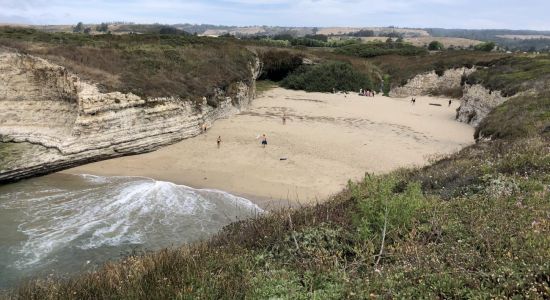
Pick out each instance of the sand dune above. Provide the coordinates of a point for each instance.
(327, 140)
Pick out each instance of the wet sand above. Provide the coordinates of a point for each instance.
(327, 139)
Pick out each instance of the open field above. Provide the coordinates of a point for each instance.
(345, 30)
(523, 37)
(378, 134)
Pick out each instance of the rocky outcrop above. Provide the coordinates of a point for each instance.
(427, 83)
(476, 103)
(43, 104)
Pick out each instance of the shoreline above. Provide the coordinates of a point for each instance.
(328, 139)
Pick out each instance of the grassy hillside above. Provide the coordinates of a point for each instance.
(515, 74)
(471, 225)
(153, 65)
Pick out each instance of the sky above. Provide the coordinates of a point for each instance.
(468, 14)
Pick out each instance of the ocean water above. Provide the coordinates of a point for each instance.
(63, 224)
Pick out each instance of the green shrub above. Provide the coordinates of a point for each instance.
(387, 85)
(326, 77)
(385, 212)
(487, 47)
(435, 46)
(372, 49)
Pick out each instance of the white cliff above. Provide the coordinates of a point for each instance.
(476, 103)
(43, 104)
(427, 83)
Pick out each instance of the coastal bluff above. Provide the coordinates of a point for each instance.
(476, 101)
(66, 121)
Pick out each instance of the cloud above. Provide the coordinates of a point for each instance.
(412, 13)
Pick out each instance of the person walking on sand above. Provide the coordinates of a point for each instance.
(450, 101)
(264, 140)
(219, 141)
(284, 118)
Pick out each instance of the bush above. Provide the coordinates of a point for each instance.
(387, 85)
(487, 47)
(435, 46)
(326, 77)
(383, 209)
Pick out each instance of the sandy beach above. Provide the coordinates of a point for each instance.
(327, 139)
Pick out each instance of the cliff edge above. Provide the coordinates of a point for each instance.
(70, 122)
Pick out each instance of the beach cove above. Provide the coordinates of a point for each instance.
(327, 140)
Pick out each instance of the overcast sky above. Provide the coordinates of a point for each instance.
(511, 14)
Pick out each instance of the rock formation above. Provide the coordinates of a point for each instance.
(74, 123)
(476, 103)
(427, 83)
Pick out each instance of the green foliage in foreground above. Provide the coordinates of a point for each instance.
(327, 76)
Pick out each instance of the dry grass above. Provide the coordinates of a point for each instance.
(149, 65)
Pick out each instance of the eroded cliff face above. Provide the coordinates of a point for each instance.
(427, 83)
(74, 123)
(476, 103)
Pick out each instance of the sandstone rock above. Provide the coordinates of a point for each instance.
(424, 84)
(43, 104)
(476, 103)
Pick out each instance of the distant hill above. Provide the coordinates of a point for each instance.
(513, 40)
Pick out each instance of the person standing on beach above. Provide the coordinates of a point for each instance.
(450, 101)
(264, 140)
(284, 118)
(219, 141)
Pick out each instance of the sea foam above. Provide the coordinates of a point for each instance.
(90, 212)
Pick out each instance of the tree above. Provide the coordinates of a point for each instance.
(88, 30)
(488, 46)
(79, 27)
(435, 46)
(103, 27)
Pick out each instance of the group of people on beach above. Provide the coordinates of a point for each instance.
(366, 93)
